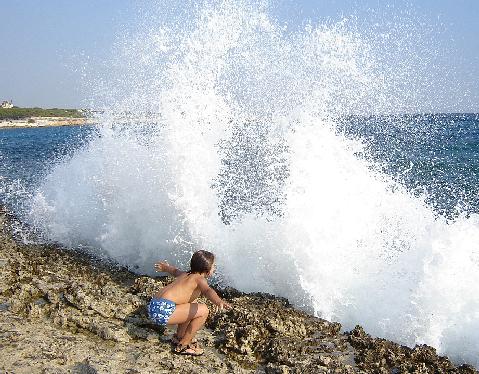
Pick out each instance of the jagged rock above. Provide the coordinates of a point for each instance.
(65, 311)
(83, 368)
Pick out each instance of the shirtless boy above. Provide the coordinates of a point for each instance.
(174, 304)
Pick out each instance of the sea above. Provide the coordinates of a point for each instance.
(305, 159)
(432, 155)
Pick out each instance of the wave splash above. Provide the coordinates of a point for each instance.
(221, 133)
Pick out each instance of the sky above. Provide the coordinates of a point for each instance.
(49, 48)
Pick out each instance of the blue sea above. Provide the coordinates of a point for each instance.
(436, 154)
(28, 154)
(432, 154)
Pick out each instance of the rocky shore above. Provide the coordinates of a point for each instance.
(43, 122)
(67, 312)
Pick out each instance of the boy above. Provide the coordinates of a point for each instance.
(174, 304)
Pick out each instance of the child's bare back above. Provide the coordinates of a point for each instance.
(186, 288)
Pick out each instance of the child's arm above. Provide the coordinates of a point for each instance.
(167, 268)
(210, 294)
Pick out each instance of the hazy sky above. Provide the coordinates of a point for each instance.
(46, 44)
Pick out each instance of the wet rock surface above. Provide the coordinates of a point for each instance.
(66, 312)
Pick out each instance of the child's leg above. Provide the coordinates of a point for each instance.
(181, 330)
(192, 317)
(195, 324)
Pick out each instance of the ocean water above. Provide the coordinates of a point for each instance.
(271, 148)
(433, 155)
(27, 156)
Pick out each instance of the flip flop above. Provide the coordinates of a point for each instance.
(189, 350)
(176, 340)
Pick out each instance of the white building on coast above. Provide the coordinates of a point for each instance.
(7, 104)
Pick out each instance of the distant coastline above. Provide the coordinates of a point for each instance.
(15, 117)
(43, 122)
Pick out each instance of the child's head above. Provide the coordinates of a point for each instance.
(202, 262)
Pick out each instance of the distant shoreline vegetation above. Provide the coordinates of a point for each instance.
(16, 113)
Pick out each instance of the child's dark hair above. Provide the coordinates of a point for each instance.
(201, 262)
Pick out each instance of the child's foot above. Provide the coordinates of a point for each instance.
(175, 339)
(189, 350)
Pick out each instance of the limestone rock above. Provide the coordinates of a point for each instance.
(66, 311)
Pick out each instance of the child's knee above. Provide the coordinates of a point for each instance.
(204, 311)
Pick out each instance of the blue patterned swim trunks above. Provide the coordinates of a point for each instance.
(160, 310)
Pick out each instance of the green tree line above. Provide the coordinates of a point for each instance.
(21, 113)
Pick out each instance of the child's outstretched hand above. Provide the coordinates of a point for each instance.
(162, 266)
(224, 305)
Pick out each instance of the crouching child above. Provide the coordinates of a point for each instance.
(175, 304)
